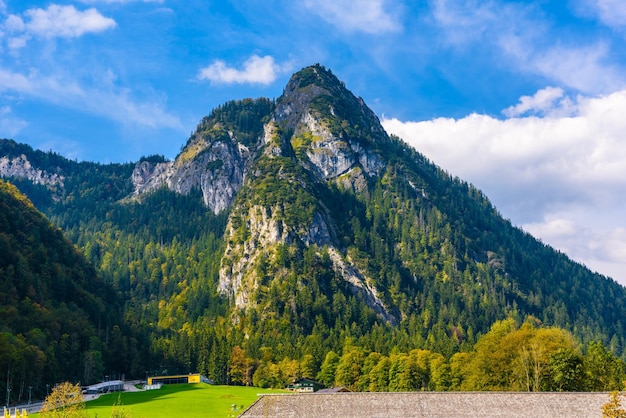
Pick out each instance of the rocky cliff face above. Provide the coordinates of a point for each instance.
(315, 103)
(253, 231)
(216, 168)
(335, 156)
(20, 167)
(214, 161)
(300, 150)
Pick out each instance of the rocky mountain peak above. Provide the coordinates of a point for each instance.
(316, 92)
(335, 130)
(303, 87)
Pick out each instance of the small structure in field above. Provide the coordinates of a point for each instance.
(305, 385)
(179, 378)
(104, 387)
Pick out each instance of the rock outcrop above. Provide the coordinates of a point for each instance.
(214, 166)
(20, 167)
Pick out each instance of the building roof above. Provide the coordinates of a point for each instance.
(338, 389)
(306, 381)
(108, 385)
(430, 404)
(174, 376)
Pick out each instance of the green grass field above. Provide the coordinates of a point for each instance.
(192, 400)
(184, 400)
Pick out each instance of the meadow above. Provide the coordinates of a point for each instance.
(188, 400)
(183, 400)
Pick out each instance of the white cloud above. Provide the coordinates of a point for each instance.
(106, 100)
(553, 228)
(516, 34)
(14, 23)
(369, 16)
(119, 1)
(13, 81)
(586, 68)
(66, 21)
(560, 177)
(10, 125)
(55, 21)
(610, 12)
(17, 42)
(464, 22)
(256, 70)
(545, 101)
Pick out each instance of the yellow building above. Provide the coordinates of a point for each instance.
(181, 378)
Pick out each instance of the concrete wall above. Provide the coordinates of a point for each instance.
(430, 404)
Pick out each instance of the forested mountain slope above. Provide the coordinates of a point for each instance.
(58, 318)
(286, 230)
(332, 202)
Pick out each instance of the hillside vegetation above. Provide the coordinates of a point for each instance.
(343, 254)
(54, 306)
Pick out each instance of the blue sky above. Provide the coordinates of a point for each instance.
(525, 99)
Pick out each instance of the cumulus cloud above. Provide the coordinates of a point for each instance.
(256, 70)
(545, 101)
(55, 21)
(559, 176)
(13, 23)
(66, 21)
(369, 16)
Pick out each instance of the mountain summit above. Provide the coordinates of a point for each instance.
(314, 104)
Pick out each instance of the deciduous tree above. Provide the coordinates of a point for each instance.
(613, 408)
(65, 401)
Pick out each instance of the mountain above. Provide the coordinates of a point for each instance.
(319, 173)
(54, 307)
(295, 228)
